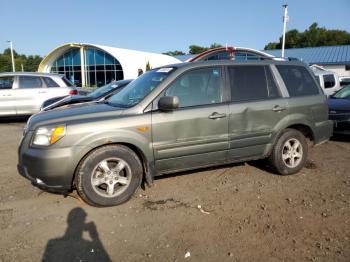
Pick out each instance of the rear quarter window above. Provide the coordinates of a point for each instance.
(298, 80)
(50, 82)
(67, 82)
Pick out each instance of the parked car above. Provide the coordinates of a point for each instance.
(23, 93)
(328, 80)
(99, 94)
(344, 80)
(175, 118)
(339, 110)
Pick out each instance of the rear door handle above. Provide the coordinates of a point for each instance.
(278, 108)
(42, 92)
(216, 115)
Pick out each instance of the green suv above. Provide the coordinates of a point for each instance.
(177, 118)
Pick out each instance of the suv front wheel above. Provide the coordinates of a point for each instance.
(289, 153)
(109, 176)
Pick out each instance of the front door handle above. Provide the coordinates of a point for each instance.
(42, 92)
(278, 108)
(216, 115)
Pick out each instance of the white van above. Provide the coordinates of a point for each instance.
(329, 81)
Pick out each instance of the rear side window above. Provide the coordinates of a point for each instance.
(251, 83)
(50, 82)
(329, 81)
(6, 82)
(298, 80)
(30, 82)
(67, 82)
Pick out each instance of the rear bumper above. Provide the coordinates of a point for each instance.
(323, 131)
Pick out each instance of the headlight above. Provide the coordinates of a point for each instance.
(45, 136)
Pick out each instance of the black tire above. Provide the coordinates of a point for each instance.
(90, 170)
(280, 150)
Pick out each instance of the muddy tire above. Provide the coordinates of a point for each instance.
(289, 153)
(109, 176)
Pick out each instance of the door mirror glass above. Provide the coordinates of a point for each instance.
(168, 103)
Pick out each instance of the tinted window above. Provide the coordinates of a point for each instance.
(6, 82)
(251, 83)
(197, 87)
(50, 82)
(329, 81)
(67, 82)
(298, 80)
(30, 82)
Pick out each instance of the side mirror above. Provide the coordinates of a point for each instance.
(168, 103)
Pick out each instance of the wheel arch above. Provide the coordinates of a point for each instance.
(148, 170)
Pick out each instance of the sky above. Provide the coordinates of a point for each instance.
(37, 27)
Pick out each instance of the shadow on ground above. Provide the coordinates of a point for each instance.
(341, 138)
(72, 246)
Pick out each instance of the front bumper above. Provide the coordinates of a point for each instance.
(49, 168)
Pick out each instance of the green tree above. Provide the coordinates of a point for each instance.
(148, 66)
(30, 63)
(312, 37)
(196, 49)
(174, 53)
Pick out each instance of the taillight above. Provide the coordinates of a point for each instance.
(73, 92)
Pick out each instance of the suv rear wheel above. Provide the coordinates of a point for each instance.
(109, 176)
(289, 153)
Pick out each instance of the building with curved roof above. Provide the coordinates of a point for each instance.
(96, 65)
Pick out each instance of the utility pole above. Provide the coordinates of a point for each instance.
(12, 57)
(285, 20)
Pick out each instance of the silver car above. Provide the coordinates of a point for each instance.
(23, 93)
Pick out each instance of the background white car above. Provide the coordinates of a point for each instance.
(23, 93)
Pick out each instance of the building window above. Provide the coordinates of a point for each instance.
(100, 67)
(347, 67)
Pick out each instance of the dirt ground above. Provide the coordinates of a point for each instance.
(232, 213)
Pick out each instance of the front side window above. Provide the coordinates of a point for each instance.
(298, 80)
(6, 82)
(197, 87)
(138, 89)
(329, 81)
(30, 82)
(251, 83)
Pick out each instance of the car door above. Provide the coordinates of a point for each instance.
(255, 111)
(7, 99)
(29, 94)
(195, 134)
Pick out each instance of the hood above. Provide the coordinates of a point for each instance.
(76, 112)
(339, 104)
(67, 100)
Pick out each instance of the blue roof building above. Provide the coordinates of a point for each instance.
(324, 55)
(333, 58)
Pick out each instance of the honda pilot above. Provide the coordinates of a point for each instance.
(176, 118)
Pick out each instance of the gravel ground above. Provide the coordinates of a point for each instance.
(232, 213)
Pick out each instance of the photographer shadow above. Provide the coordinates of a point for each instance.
(72, 246)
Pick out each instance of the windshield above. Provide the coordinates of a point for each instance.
(343, 93)
(138, 89)
(103, 90)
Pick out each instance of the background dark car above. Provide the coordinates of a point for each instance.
(339, 110)
(101, 93)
